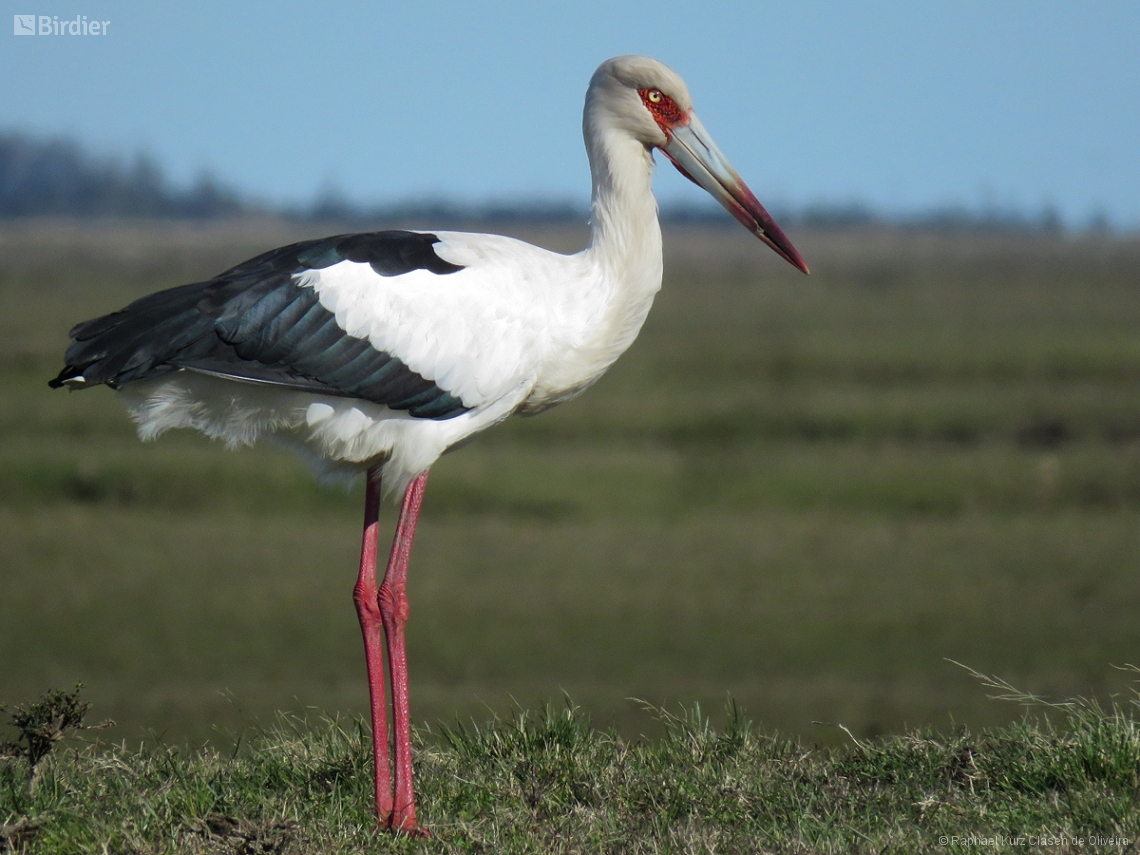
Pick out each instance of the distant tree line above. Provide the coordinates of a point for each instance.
(57, 177)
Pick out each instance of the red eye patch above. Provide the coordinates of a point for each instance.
(663, 108)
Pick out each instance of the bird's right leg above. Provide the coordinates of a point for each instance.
(366, 597)
(394, 611)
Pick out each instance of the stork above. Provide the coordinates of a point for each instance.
(375, 353)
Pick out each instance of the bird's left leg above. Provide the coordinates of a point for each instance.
(371, 624)
(394, 613)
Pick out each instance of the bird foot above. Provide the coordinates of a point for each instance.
(407, 828)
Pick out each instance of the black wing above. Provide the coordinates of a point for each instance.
(254, 323)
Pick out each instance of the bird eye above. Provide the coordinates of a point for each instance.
(663, 108)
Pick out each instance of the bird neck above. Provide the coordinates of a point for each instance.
(618, 273)
(625, 237)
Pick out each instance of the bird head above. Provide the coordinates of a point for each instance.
(649, 101)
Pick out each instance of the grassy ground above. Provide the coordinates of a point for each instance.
(803, 492)
(548, 782)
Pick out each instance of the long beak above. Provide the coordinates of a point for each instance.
(696, 156)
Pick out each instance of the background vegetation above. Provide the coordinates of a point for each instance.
(60, 177)
(805, 492)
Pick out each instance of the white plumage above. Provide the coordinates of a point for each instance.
(518, 328)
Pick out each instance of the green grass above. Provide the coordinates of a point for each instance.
(549, 782)
(806, 492)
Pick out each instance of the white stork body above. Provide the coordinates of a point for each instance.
(517, 329)
(379, 351)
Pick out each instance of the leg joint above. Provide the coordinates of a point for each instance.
(393, 603)
(366, 601)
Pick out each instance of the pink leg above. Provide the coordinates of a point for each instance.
(368, 610)
(394, 613)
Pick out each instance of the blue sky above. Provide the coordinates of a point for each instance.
(900, 106)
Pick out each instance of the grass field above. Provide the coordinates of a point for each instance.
(547, 782)
(805, 493)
